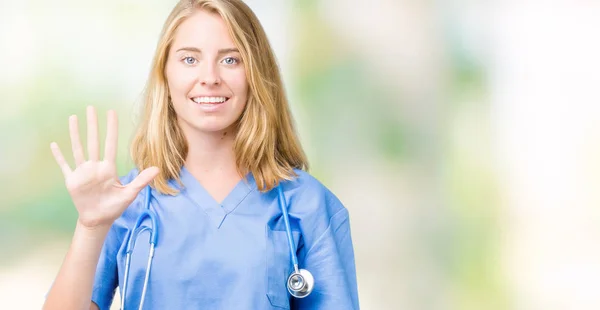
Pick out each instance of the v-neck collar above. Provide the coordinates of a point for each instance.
(216, 211)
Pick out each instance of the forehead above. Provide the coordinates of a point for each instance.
(203, 30)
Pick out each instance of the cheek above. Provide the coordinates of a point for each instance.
(242, 89)
(236, 80)
(177, 80)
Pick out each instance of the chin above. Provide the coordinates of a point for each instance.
(199, 124)
(213, 128)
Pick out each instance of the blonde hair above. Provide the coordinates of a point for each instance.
(266, 143)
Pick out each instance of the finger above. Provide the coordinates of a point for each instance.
(143, 179)
(76, 141)
(112, 127)
(60, 159)
(92, 134)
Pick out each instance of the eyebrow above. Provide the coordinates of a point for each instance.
(221, 51)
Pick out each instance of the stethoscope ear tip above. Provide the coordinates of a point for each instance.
(300, 284)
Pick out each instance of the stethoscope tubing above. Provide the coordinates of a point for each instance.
(288, 230)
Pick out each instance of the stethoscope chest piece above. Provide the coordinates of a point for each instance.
(300, 283)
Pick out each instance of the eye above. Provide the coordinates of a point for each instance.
(230, 61)
(189, 60)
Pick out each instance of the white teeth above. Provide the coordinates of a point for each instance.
(209, 99)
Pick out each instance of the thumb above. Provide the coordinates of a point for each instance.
(143, 179)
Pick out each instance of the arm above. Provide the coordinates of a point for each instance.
(72, 288)
(100, 198)
(331, 261)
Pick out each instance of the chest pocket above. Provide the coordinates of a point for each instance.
(279, 266)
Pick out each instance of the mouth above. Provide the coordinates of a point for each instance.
(210, 100)
(210, 104)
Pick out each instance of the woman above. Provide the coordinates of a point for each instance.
(217, 147)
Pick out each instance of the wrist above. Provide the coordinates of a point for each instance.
(91, 231)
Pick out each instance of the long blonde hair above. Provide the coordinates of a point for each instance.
(266, 143)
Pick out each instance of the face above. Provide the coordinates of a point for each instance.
(205, 75)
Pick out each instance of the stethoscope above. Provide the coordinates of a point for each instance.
(300, 283)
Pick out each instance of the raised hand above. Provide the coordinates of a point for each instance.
(94, 185)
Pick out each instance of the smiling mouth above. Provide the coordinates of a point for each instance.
(209, 100)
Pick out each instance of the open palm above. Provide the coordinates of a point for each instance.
(94, 185)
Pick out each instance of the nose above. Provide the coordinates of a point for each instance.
(209, 74)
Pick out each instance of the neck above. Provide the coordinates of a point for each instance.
(211, 154)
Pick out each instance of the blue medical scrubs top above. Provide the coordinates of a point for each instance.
(233, 254)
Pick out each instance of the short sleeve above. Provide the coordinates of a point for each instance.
(331, 261)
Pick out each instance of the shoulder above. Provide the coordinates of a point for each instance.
(307, 194)
(305, 182)
(316, 208)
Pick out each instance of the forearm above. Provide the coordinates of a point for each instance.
(72, 288)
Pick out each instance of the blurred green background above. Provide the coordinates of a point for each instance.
(461, 135)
